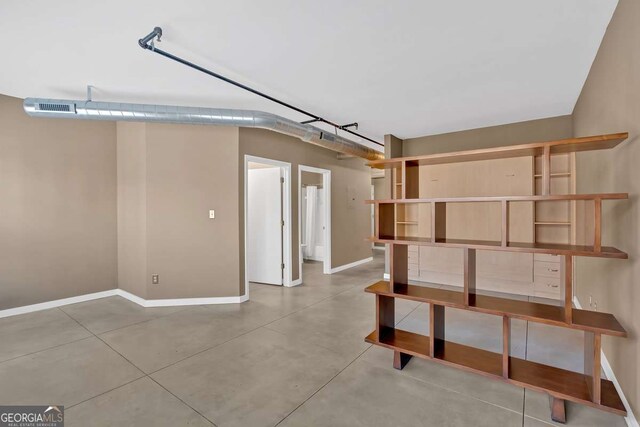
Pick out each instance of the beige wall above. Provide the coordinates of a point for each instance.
(350, 221)
(494, 136)
(57, 207)
(132, 208)
(311, 178)
(610, 102)
(169, 177)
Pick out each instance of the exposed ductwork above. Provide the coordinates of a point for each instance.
(115, 111)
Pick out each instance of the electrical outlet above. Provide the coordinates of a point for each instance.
(590, 300)
(212, 214)
(155, 279)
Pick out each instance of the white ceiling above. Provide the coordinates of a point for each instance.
(409, 68)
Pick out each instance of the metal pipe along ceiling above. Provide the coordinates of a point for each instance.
(115, 111)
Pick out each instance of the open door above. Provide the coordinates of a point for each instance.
(264, 226)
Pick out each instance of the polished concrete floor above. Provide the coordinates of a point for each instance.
(288, 357)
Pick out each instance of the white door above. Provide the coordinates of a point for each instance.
(264, 226)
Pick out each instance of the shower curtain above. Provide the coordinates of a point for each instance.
(310, 236)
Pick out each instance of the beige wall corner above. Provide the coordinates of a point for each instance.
(58, 215)
(350, 219)
(609, 103)
(132, 208)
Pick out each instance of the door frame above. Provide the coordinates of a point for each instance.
(326, 184)
(286, 214)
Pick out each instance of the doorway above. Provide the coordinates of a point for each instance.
(314, 216)
(267, 222)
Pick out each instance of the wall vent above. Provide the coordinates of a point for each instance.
(58, 108)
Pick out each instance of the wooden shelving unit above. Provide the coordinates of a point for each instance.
(395, 225)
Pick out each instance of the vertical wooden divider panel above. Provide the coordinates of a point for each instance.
(597, 216)
(568, 289)
(505, 223)
(403, 174)
(386, 220)
(469, 284)
(436, 330)
(546, 170)
(438, 221)
(592, 345)
(506, 345)
(385, 307)
(412, 180)
(399, 266)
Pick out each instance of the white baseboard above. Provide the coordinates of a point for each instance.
(608, 371)
(378, 248)
(351, 265)
(56, 303)
(296, 282)
(179, 301)
(119, 292)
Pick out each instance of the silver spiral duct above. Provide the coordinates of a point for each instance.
(91, 110)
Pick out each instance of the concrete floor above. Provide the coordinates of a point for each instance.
(289, 357)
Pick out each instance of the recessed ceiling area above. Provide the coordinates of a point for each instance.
(408, 68)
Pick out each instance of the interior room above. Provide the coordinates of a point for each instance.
(285, 213)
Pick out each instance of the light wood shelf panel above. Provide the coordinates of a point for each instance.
(588, 143)
(526, 198)
(540, 248)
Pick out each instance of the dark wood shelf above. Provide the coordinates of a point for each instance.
(604, 323)
(491, 245)
(560, 383)
(587, 143)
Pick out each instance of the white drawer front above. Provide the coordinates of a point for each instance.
(547, 284)
(547, 257)
(546, 269)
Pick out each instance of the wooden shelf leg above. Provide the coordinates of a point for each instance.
(592, 345)
(506, 346)
(469, 276)
(436, 329)
(558, 411)
(398, 266)
(568, 289)
(400, 359)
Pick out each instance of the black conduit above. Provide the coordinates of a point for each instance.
(147, 43)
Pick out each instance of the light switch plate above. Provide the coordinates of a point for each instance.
(212, 214)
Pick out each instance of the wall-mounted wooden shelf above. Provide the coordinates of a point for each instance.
(398, 223)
